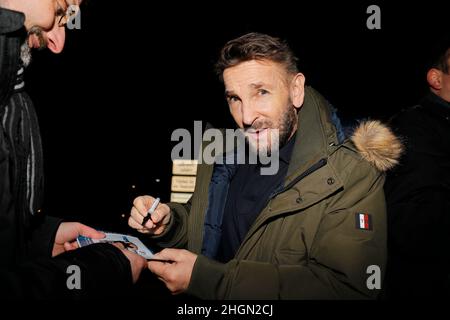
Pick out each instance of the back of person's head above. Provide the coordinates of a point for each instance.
(440, 55)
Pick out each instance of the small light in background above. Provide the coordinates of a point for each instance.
(123, 215)
(133, 186)
(157, 180)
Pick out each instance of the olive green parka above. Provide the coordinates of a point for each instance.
(308, 242)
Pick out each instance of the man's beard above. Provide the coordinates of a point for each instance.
(39, 33)
(25, 50)
(277, 136)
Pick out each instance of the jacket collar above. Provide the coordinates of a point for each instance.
(436, 105)
(10, 21)
(315, 136)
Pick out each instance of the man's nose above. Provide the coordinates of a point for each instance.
(56, 38)
(249, 114)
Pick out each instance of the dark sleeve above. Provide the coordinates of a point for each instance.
(418, 197)
(42, 236)
(175, 234)
(103, 271)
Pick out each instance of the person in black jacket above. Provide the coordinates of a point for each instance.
(28, 239)
(418, 194)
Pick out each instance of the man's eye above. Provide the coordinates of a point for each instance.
(233, 99)
(61, 7)
(60, 12)
(262, 92)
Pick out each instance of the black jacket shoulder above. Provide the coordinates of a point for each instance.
(10, 21)
(12, 35)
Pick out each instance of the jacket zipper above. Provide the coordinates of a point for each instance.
(321, 163)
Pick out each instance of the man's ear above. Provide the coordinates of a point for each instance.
(434, 78)
(298, 90)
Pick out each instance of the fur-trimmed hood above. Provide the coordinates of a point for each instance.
(377, 144)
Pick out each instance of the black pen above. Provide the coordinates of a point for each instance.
(160, 260)
(150, 211)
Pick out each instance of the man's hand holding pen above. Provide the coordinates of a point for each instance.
(172, 266)
(149, 216)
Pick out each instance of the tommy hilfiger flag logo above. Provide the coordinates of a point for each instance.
(363, 221)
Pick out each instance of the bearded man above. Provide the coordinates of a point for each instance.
(313, 229)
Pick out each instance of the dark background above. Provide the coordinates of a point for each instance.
(137, 70)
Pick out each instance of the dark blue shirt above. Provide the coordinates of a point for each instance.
(248, 195)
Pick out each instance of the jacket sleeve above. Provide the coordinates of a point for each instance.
(41, 237)
(103, 270)
(175, 234)
(337, 262)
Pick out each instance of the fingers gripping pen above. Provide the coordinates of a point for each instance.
(150, 211)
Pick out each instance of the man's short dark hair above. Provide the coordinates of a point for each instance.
(256, 46)
(440, 56)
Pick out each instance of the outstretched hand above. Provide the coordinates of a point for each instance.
(67, 234)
